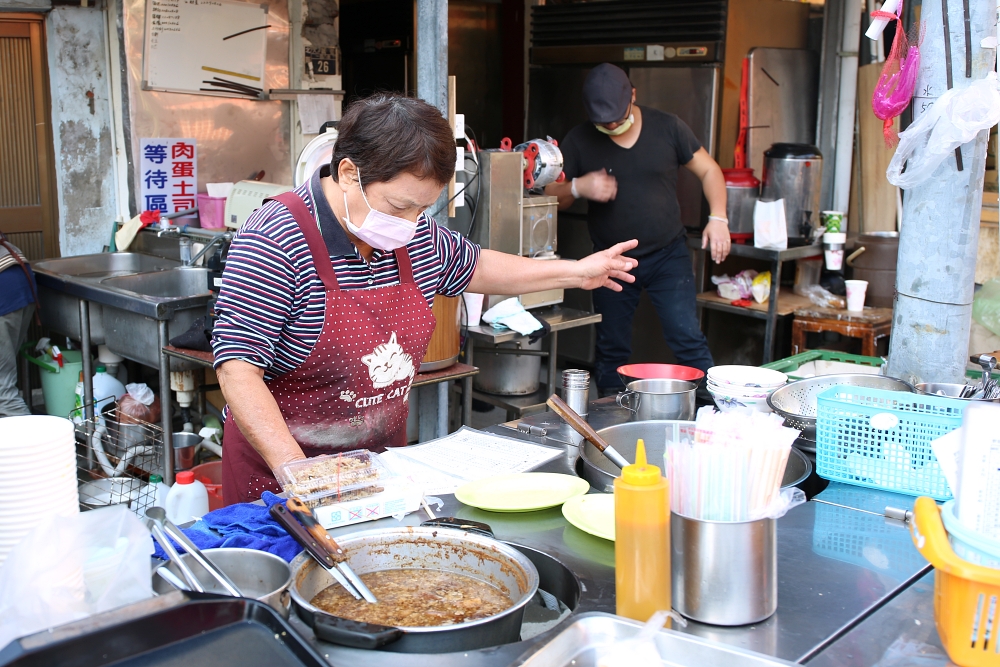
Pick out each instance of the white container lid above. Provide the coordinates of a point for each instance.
(835, 237)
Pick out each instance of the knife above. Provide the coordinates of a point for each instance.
(309, 543)
(305, 516)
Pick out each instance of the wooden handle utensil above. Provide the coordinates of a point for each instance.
(578, 424)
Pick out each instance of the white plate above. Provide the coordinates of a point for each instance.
(746, 376)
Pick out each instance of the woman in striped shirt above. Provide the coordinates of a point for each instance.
(324, 312)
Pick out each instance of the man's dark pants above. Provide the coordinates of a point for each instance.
(667, 276)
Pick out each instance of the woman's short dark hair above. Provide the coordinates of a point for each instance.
(386, 135)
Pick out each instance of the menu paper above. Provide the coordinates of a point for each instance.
(467, 455)
(978, 496)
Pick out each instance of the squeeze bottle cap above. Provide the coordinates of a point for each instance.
(641, 473)
(186, 477)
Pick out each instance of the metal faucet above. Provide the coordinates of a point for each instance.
(220, 239)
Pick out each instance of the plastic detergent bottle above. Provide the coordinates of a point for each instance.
(642, 539)
(187, 499)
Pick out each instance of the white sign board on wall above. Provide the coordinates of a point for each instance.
(193, 45)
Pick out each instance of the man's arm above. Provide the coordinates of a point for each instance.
(713, 184)
(595, 186)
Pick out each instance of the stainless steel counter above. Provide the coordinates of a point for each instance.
(835, 568)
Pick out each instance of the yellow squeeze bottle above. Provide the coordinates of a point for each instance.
(642, 539)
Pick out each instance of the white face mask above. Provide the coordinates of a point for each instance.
(380, 230)
(621, 129)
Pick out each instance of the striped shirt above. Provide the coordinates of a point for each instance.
(272, 302)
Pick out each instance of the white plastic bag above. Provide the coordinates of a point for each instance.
(784, 501)
(955, 119)
(769, 228)
(68, 568)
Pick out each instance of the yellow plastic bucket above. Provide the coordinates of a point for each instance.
(966, 596)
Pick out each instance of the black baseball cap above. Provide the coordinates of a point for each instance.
(607, 93)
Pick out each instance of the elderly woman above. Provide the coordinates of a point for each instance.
(324, 312)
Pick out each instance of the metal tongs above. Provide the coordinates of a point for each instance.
(163, 529)
(988, 388)
(301, 524)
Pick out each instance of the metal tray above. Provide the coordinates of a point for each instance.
(173, 630)
(584, 641)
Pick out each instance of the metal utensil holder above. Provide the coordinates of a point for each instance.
(115, 456)
(724, 573)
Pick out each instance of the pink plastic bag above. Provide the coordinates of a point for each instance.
(899, 76)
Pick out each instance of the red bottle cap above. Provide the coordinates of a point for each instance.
(186, 477)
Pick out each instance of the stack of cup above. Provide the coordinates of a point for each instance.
(833, 249)
(37, 474)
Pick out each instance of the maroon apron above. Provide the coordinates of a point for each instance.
(351, 391)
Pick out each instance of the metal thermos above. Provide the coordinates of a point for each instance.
(742, 192)
(793, 172)
(576, 390)
(724, 573)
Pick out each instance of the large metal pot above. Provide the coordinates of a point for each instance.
(659, 399)
(793, 172)
(601, 473)
(258, 574)
(421, 548)
(742, 192)
(506, 373)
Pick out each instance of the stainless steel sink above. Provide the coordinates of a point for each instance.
(104, 265)
(129, 295)
(169, 284)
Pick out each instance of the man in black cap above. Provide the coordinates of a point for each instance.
(625, 161)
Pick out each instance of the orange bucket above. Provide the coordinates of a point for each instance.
(966, 596)
(210, 474)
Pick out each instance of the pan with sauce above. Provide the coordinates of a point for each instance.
(416, 598)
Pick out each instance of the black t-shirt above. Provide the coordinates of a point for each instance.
(646, 206)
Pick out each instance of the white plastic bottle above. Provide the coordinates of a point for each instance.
(187, 499)
(158, 489)
(106, 388)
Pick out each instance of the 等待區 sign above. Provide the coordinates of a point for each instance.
(169, 174)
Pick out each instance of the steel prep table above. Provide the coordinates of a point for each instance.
(849, 583)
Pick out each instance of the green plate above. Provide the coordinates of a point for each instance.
(522, 492)
(593, 513)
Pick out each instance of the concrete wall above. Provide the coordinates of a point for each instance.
(81, 127)
(25, 5)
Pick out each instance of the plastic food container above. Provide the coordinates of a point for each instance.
(333, 478)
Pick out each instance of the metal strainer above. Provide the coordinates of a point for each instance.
(796, 401)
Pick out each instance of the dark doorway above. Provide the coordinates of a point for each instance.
(376, 39)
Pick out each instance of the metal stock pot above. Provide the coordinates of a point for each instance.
(416, 549)
(659, 399)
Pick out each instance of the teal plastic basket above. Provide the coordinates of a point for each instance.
(882, 439)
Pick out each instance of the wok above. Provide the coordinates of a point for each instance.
(421, 548)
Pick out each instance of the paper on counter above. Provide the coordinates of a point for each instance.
(978, 496)
(467, 455)
(947, 449)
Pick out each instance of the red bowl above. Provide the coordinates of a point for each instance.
(631, 372)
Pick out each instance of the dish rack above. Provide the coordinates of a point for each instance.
(115, 456)
(965, 595)
(882, 439)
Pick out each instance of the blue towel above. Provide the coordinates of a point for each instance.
(244, 525)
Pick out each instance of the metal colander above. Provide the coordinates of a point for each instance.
(796, 401)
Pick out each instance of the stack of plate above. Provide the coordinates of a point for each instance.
(743, 388)
(37, 474)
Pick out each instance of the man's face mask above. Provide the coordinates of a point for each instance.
(621, 129)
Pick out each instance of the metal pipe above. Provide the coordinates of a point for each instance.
(165, 417)
(849, 45)
(939, 237)
(442, 416)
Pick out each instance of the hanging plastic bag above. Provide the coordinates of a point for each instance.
(954, 119)
(769, 228)
(895, 86)
(70, 567)
(986, 305)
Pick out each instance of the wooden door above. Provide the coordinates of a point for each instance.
(27, 180)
